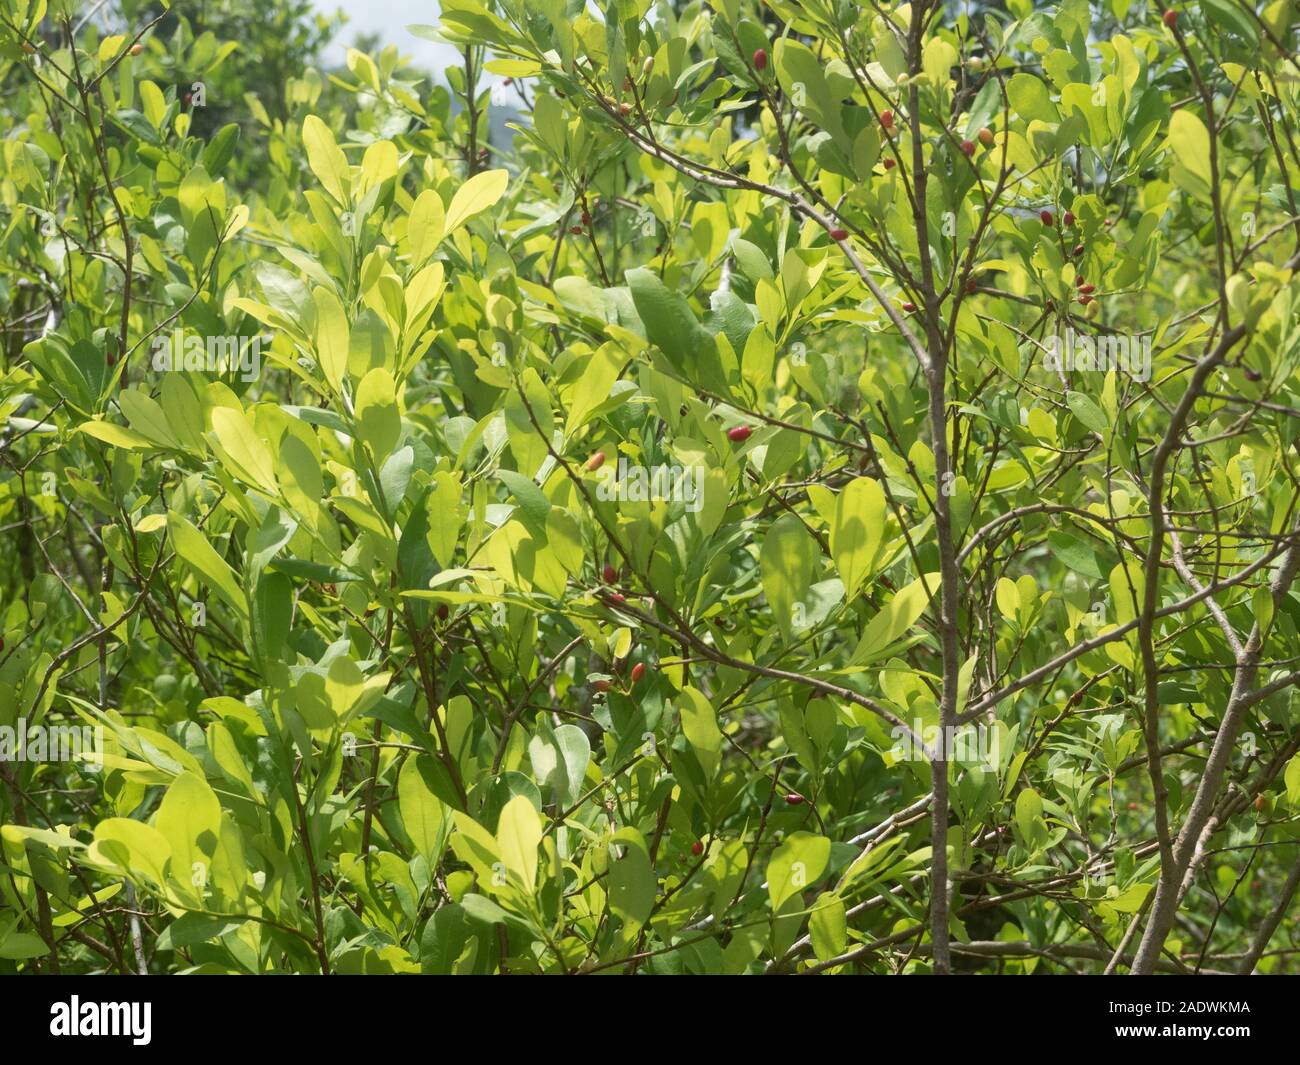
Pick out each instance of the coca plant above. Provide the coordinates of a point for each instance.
(823, 499)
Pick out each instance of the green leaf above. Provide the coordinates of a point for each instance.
(857, 531)
(700, 726)
(895, 618)
(518, 833)
(332, 337)
(786, 562)
(1190, 143)
(378, 419)
(631, 883)
(193, 547)
(327, 160)
(423, 814)
(1087, 411)
(796, 865)
(669, 321)
(477, 194)
(189, 819)
(828, 926)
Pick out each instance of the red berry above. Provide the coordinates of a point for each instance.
(1045, 217)
(739, 434)
(1080, 281)
(794, 799)
(1110, 221)
(2, 644)
(1087, 289)
(986, 137)
(909, 306)
(618, 597)
(889, 163)
(586, 218)
(624, 109)
(443, 612)
(1259, 803)
(638, 671)
(576, 230)
(697, 848)
(968, 147)
(839, 234)
(609, 574)
(970, 285)
(1077, 250)
(1252, 375)
(1132, 806)
(1170, 18)
(508, 81)
(600, 685)
(110, 358)
(886, 118)
(595, 462)
(1085, 300)
(760, 59)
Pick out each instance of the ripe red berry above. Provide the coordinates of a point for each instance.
(586, 218)
(576, 230)
(1085, 300)
(794, 798)
(1045, 217)
(508, 81)
(970, 285)
(443, 612)
(625, 109)
(986, 137)
(600, 685)
(1252, 375)
(1068, 218)
(909, 306)
(1259, 803)
(618, 597)
(1087, 289)
(739, 434)
(595, 462)
(889, 162)
(1132, 806)
(609, 574)
(760, 59)
(968, 147)
(697, 848)
(886, 118)
(1077, 250)
(839, 234)
(1080, 281)
(638, 671)
(1170, 18)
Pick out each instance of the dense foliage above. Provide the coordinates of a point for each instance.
(823, 499)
